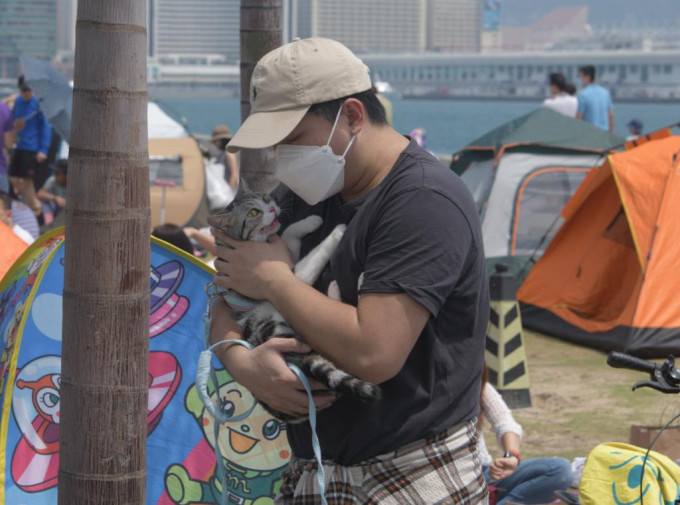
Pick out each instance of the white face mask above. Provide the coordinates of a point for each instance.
(314, 173)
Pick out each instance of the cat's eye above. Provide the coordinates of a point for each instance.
(254, 212)
(266, 198)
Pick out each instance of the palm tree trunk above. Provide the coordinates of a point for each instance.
(260, 33)
(106, 289)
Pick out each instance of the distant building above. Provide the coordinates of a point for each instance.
(629, 75)
(492, 36)
(27, 27)
(364, 26)
(194, 27)
(66, 25)
(454, 25)
(562, 25)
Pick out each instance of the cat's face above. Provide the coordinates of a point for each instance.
(250, 216)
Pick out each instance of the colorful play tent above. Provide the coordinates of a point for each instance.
(609, 279)
(181, 466)
(12, 247)
(522, 173)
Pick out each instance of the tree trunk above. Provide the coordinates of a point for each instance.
(260, 33)
(106, 288)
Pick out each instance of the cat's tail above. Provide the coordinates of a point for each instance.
(340, 381)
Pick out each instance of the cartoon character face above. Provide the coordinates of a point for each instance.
(35, 405)
(45, 397)
(256, 443)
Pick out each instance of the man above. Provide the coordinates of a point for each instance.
(412, 282)
(33, 133)
(6, 217)
(560, 100)
(594, 101)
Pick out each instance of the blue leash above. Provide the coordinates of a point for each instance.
(205, 370)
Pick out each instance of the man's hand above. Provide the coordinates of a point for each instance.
(263, 370)
(19, 124)
(40, 157)
(272, 382)
(503, 467)
(60, 201)
(250, 268)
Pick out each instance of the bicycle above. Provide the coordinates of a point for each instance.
(664, 377)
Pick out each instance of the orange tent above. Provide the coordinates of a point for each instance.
(12, 247)
(610, 277)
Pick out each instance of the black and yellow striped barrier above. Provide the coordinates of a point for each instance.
(505, 357)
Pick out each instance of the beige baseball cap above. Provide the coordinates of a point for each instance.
(290, 79)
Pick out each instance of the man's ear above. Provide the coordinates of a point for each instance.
(356, 115)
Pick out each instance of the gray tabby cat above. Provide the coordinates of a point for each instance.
(254, 216)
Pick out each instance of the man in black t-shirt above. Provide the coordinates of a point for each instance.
(413, 303)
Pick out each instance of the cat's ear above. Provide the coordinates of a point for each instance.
(242, 187)
(222, 221)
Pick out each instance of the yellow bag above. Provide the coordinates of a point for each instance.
(611, 476)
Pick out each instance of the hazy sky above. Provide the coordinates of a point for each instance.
(517, 12)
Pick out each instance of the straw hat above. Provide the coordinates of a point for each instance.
(221, 132)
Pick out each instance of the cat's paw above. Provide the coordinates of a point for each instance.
(339, 231)
(312, 223)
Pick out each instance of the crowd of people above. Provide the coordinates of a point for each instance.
(32, 181)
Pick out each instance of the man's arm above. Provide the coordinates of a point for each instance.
(611, 120)
(370, 341)
(44, 195)
(412, 263)
(263, 370)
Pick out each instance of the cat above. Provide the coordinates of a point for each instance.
(254, 216)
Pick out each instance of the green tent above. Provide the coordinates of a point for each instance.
(522, 173)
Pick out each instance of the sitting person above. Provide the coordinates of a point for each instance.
(203, 238)
(530, 481)
(173, 234)
(6, 217)
(53, 193)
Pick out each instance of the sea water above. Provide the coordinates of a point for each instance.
(449, 124)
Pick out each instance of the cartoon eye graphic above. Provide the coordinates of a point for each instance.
(271, 429)
(228, 408)
(254, 212)
(48, 400)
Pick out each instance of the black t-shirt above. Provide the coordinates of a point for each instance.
(418, 233)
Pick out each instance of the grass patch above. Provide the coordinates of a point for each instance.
(578, 401)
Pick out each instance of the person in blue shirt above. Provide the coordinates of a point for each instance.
(33, 141)
(594, 101)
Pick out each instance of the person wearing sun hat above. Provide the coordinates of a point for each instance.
(411, 308)
(221, 135)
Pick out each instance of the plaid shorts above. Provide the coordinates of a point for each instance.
(442, 469)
